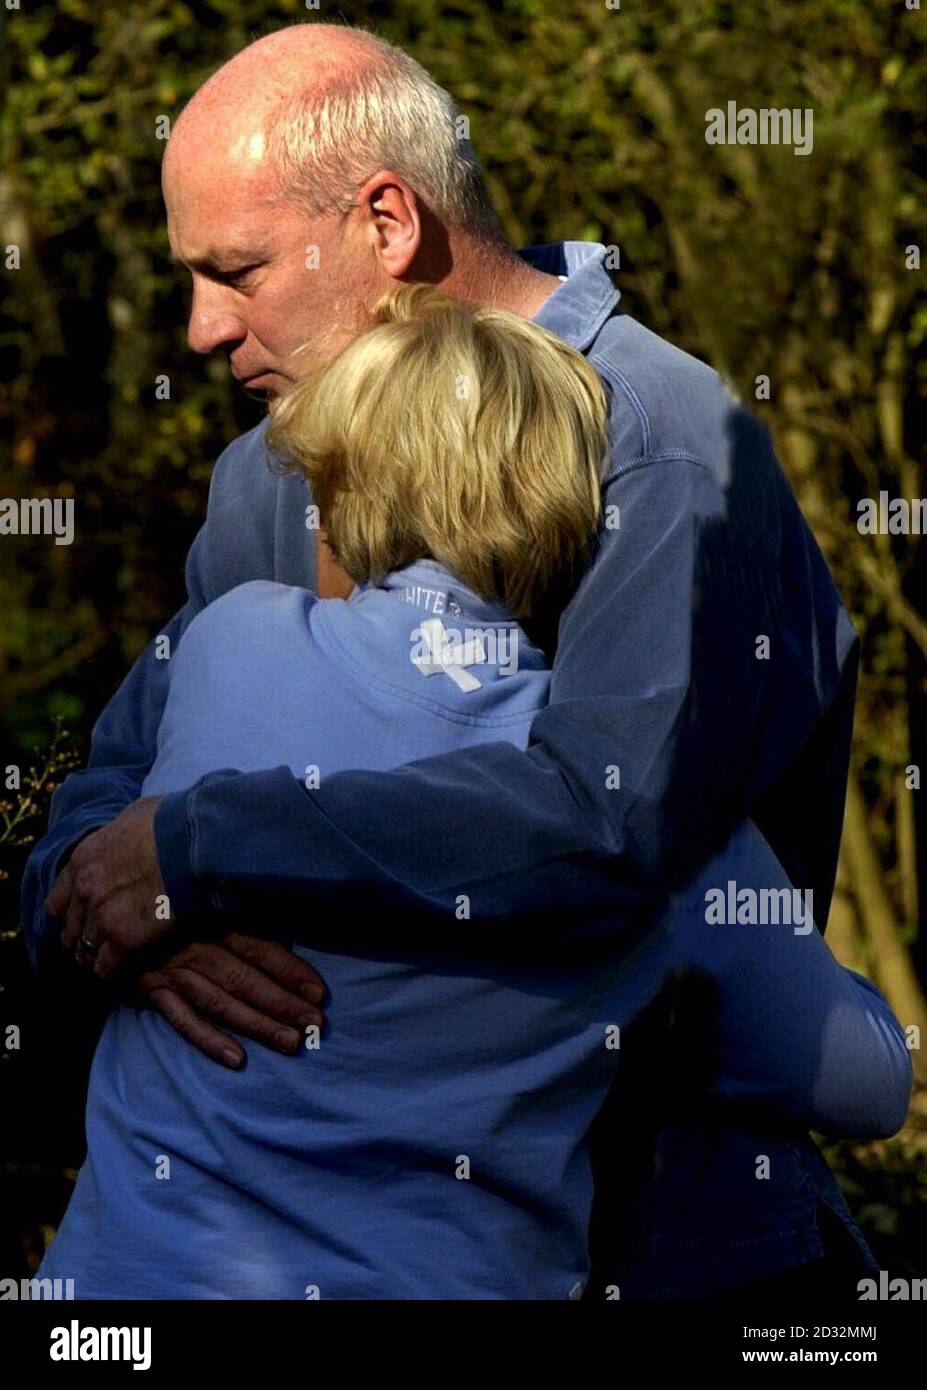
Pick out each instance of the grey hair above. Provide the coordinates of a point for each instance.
(388, 114)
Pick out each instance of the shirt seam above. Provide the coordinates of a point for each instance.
(659, 456)
(611, 373)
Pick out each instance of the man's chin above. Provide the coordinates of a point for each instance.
(267, 387)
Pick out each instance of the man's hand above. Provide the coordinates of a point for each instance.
(257, 987)
(109, 890)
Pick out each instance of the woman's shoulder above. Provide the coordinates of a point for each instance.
(257, 607)
(414, 640)
(261, 596)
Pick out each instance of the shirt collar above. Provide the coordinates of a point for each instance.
(577, 309)
(427, 585)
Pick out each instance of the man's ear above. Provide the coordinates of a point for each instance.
(395, 221)
(330, 579)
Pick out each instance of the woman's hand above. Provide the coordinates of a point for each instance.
(258, 988)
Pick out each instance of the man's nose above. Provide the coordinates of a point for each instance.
(214, 324)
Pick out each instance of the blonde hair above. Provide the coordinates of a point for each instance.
(468, 435)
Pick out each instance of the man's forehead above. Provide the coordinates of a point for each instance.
(221, 219)
(221, 227)
(217, 159)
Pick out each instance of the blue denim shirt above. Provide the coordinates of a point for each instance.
(705, 659)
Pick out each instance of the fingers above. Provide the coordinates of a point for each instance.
(211, 980)
(60, 895)
(109, 888)
(77, 935)
(220, 984)
(106, 960)
(260, 1023)
(211, 1041)
(74, 921)
(289, 970)
(252, 986)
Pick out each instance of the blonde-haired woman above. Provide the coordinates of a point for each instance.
(433, 1142)
(468, 436)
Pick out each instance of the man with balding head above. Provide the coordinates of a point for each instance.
(318, 168)
(286, 182)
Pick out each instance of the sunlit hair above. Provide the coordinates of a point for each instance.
(389, 113)
(468, 435)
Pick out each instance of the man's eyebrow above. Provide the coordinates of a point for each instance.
(221, 261)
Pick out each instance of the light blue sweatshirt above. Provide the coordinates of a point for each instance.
(433, 1143)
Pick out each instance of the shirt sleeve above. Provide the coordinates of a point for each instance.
(687, 677)
(769, 1018)
(803, 1036)
(124, 738)
(123, 746)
